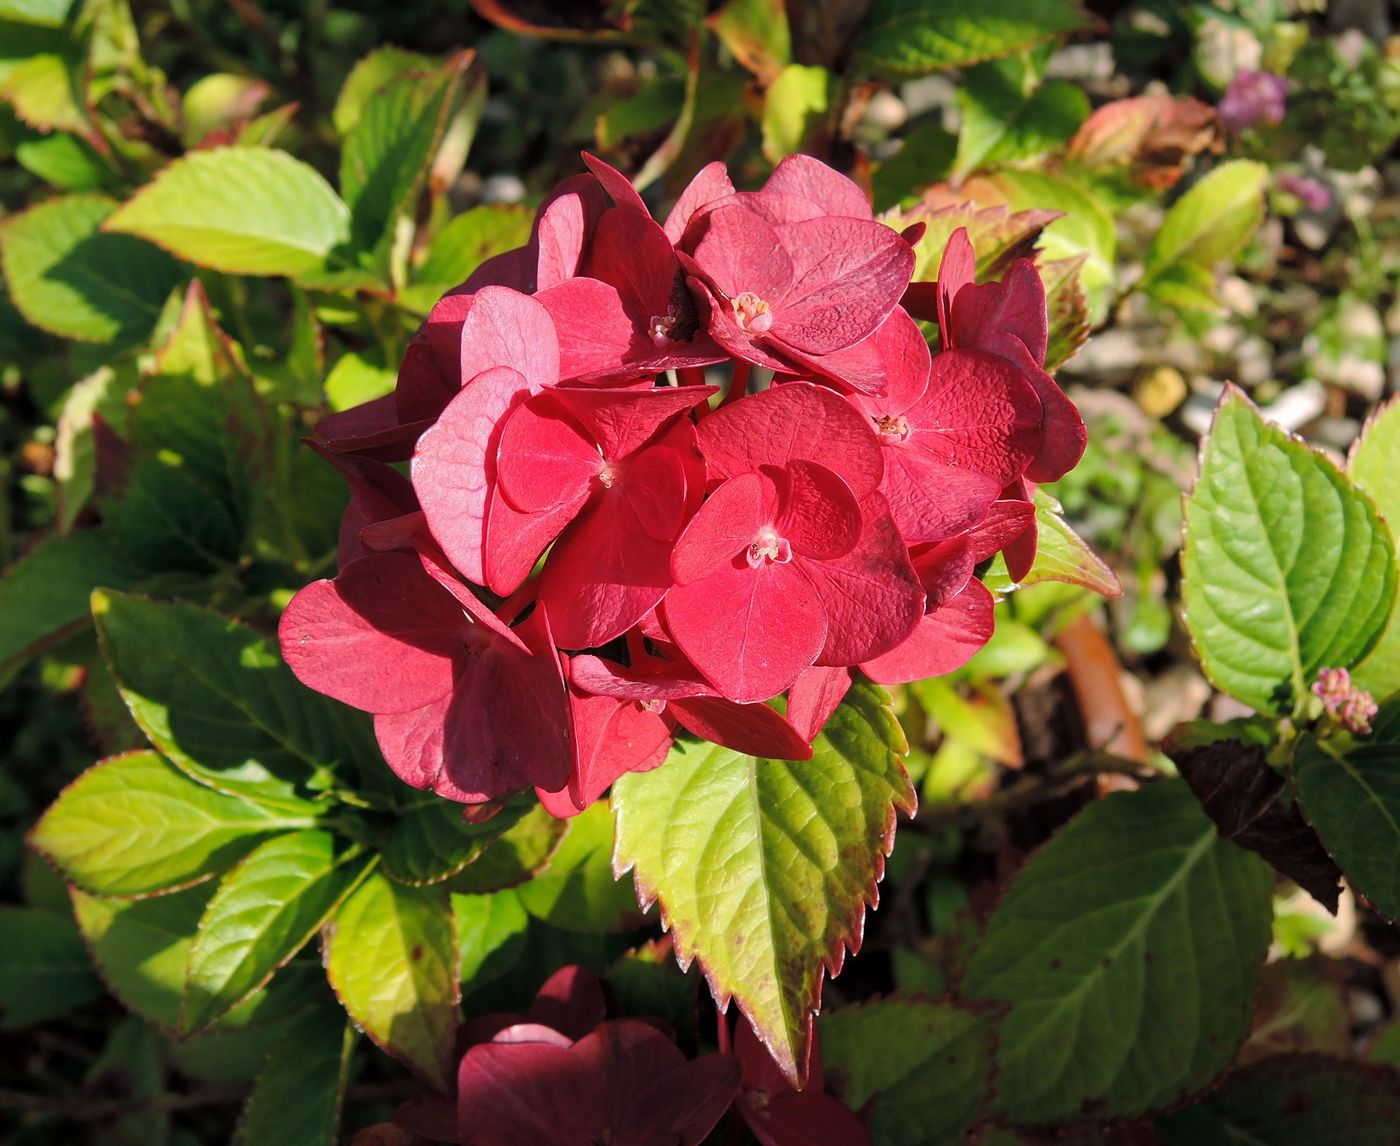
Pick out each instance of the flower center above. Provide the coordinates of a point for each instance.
(768, 547)
(751, 312)
(662, 327)
(609, 474)
(892, 428)
(653, 706)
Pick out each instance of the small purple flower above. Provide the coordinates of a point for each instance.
(1313, 193)
(1253, 98)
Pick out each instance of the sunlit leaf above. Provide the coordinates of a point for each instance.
(763, 868)
(1287, 567)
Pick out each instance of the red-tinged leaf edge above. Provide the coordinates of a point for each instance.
(849, 938)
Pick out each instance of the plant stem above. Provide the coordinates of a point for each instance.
(1035, 789)
(515, 604)
(738, 382)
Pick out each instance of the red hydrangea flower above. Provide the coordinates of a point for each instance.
(790, 561)
(799, 268)
(600, 458)
(589, 559)
(464, 706)
(566, 1074)
(1009, 319)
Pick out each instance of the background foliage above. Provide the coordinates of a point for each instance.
(219, 221)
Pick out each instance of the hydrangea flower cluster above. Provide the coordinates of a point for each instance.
(594, 549)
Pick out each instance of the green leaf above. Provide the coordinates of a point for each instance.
(1086, 229)
(794, 108)
(265, 911)
(237, 1046)
(491, 932)
(520, 854)
(133, 825)
(1372, 466)
(1127, 949)
(216, 699)
(391, 955)
(371, 74)
(218, 101)
(244, 210)
(431, 842)
(45, 597)
(1006, 117)
(1349, 790)
(44, 91)
(358, 378)
(45, 13)
(165, 518)
(200, 413)
(297, 1098)
(925, 156)
(65, 161)
(1287, 567)
(912, 37)
(764, 867)
(927, 1064)
(1060, 555)
(44, 967)
(387, 154)
(578, 891)
(757, 33)
(462, 246)
(141, 946)
(73, 280)
(1293, 1100)
(1211, 221)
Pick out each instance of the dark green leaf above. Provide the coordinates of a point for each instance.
(296, 1100)
(1294, 1100)
(44, 967)
(141, 946)
(166, 518)
(912, 37)
(1128, 950)
(387, 154)
(265, 911)
(431, 842)
(927, 1064)
(46, 596)
(215, 697)
(521, 853)
(1007, 115)
(131, 1065)
(1349, 790)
